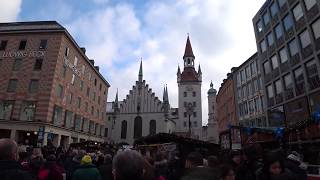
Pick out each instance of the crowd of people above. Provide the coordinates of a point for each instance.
(20, 163)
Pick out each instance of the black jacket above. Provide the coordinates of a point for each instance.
(12, 170)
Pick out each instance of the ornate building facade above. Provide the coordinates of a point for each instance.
(142, 113)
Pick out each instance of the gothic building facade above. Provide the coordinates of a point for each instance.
(142, 113)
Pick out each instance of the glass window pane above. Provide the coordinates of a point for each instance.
(298, 74)
(259, 26)
(278, 86)
(6, 108)
(270, 91)
(57, 116)
(316, 29)
(266, 18)
(274, 9)
(266, 67)
(305, 39)
(263, 46)
(274, 61)
(278, 31)
(270, 39)
(17, 65)
(282, 2)
(12, 85)
(309, 3)
(287, 81)
(283, 55)
(33, 87)
(293, 47)
(287, 22)
(253, 67)
(311, 68)
(297, 12)
(248, 72)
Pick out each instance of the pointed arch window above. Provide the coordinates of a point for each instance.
(124, 129)
(137, 132)
(153, 127)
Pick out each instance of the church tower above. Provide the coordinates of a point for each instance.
(212, 116)
(189, 87)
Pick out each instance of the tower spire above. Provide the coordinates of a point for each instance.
(140, 72)
(188, 50)
(167, 96)
(116, 102)
(199, 70)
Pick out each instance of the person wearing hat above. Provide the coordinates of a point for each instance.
(86, 170)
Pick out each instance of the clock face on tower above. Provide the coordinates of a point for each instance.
(189, 88)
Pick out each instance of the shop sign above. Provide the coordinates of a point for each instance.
(23, 54)
(71, 66)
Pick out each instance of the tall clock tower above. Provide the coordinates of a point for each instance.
(189, 85)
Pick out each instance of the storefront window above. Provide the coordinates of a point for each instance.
(6, 108)
(27, 112)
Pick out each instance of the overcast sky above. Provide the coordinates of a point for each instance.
(118, 33)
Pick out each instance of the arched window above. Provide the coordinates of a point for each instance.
(152, 127)
(137, 132)
(188, 61)
(124, 129)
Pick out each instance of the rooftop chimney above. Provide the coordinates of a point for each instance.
(83, 49)
(92, 62)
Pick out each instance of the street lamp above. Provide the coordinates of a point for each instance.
(189, 110)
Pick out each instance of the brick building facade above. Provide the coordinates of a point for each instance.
(226, 107)
(49, 90)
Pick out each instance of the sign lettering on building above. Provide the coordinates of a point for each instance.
(71, 66)
(23, 54)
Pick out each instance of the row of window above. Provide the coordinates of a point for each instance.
(186, 124)
(83, 70)
(76, 122)
(286, 83)
(33, 86)
(23, 44)
(60, 94)
(137, 124)
(258, 122)
(194, 104)
(17, 64)
(251, 107)
(185, 114)
(247, 72)
(305, 41)
(304, 37)
(27, 110)
(250, 88)
(81, 85)
(185, 94)
(274, 9)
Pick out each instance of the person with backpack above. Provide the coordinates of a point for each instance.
(51, 170)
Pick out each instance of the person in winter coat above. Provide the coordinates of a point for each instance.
(106, 168)
(51, 170)
(10, 169)
(251, 164)
(72, 162)
(86, 171)
(273, 166)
